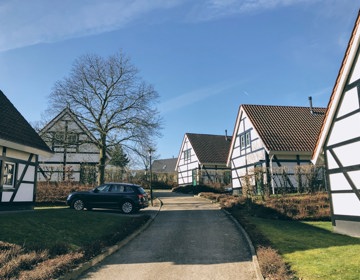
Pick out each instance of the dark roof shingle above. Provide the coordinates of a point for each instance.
(164, 165)
(14, 128)
(210, 148)
(286, 128)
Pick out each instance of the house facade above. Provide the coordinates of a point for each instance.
(271, 145)
(75, 156)
(202, 160)
(20, 147)
(339, 142)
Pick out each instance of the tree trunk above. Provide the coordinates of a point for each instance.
(102, 161)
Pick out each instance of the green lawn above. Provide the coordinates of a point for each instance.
(312, 249)
(51, 227)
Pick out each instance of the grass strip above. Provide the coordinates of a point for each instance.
(311, 248)
(49, 228)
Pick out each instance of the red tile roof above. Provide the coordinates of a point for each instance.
(210, 148)
(286, 128)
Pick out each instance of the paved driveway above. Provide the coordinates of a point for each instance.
(189, 239)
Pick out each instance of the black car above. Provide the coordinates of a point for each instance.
(129, 198)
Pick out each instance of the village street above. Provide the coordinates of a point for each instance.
(190, 238)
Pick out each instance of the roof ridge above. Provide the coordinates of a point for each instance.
(206, 134)
(283, 106)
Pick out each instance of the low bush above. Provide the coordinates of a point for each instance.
(53, 193)
(297, 207)
(300, 207)
(272, 264)
(162, 185)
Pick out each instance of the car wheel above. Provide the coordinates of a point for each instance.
(78, 204)
(127, 207)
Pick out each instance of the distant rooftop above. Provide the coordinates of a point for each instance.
(164, 165)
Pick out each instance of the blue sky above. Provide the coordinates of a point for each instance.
(204, 57)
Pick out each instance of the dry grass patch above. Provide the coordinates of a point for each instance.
(52, 268)
(18, 263)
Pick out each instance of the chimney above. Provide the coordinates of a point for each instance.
(226, 136)
(311, 106)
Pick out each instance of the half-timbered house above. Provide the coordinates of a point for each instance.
(338, 144)
(269, 142)
(75, 154)
(20, 148)
(202, 160)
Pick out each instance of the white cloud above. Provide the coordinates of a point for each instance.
(195, 96)
(24, 23)
(213, 9)
(324, 91)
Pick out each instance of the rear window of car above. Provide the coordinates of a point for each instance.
(128, 189)
(141, 190)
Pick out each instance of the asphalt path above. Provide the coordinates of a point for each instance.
(190, 238)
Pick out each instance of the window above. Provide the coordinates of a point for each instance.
(117, 189)
(59, 138)
(242, 141)
(187, 154)
(129, 189)
(9, 171)
(103, 188)
(245, 140)
(72, 139)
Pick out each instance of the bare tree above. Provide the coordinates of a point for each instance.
(114, 103)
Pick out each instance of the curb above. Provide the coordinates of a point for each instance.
(78, 271)
(251, 246)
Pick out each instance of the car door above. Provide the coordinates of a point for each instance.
(116, 195)
(130, 194)
(101, 197)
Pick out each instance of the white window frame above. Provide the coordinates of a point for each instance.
(242, 141)
(247, 139)
(8, 178)
(187, 155)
